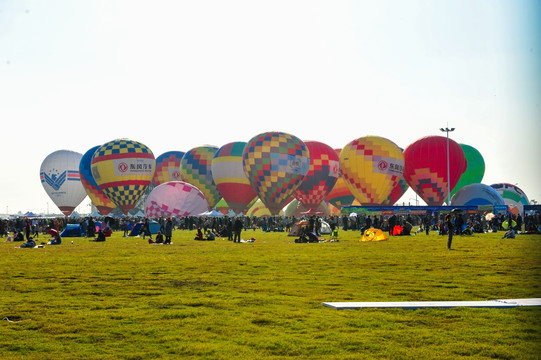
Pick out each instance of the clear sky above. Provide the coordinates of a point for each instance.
(179, 74)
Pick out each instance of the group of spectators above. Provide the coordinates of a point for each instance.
(230, 228)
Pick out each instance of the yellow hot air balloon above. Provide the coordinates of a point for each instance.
(371, 166)
(123, 170)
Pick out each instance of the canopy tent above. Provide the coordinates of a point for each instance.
(30, 214)
(213, 213)
(373, 234)
(72, 230)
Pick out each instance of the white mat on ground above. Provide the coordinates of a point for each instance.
(506, 303)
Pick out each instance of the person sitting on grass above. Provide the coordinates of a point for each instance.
(101, 236)
(509, 234)
(30, 243)
(210, 236)
(159, 238)
(199, 235)
(56, 240)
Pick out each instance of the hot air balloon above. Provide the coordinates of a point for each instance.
(371, 166)
(425, 169)
(258, 209)
(475, 168)
(123, 169)
(398, 190)
(477, 194)
(175, 198)
(513, 196)
(195, 168)
(275, 163)
(340, 195)
(229, 177)
(167, 167)
(59, 174)
(98, 198)
(322, 175)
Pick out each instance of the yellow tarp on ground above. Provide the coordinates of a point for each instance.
(373, 234)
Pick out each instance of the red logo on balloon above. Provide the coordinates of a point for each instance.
(123, 167)
(382, 165)
(176, 175)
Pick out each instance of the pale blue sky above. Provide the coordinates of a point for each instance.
(180, 74)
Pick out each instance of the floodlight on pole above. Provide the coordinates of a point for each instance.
(447, 130)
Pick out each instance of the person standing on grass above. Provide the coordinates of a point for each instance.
(450, 229)
(237, 228)
(168, 231)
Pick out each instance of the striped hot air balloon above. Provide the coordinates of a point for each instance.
(229, 177)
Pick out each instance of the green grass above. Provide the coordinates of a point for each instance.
(125, 299)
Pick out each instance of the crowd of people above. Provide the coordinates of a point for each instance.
(209, 228)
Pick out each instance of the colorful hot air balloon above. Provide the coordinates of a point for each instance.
(475, 195)
(123, 169)
(229, 177)
(398, 191)
(175, 198)
(340, 195)
(513, 196)
(426, 167)
(98, 198)
(59, 174)
(167, 167)
(258, 209)
(322, 175)
(475, 168)
(371, 166)
(195, 168)
(275, 163)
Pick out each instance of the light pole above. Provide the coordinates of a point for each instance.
(447, 130)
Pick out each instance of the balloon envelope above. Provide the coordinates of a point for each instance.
(175, 198)
(340, 195)
(275, 163)
(123, 169)
(98, 198)
(59, 174)
(475, 168)
(230, 178)
(372, 166)
(167, 167)
(512, 195)
(477, 194)
(322, 175)
(425, 169)
(195, 168)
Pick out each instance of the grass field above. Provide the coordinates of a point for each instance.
(126, 299)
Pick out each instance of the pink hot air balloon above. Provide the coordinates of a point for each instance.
(175, 198)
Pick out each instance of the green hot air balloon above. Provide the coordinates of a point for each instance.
(475, 168)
